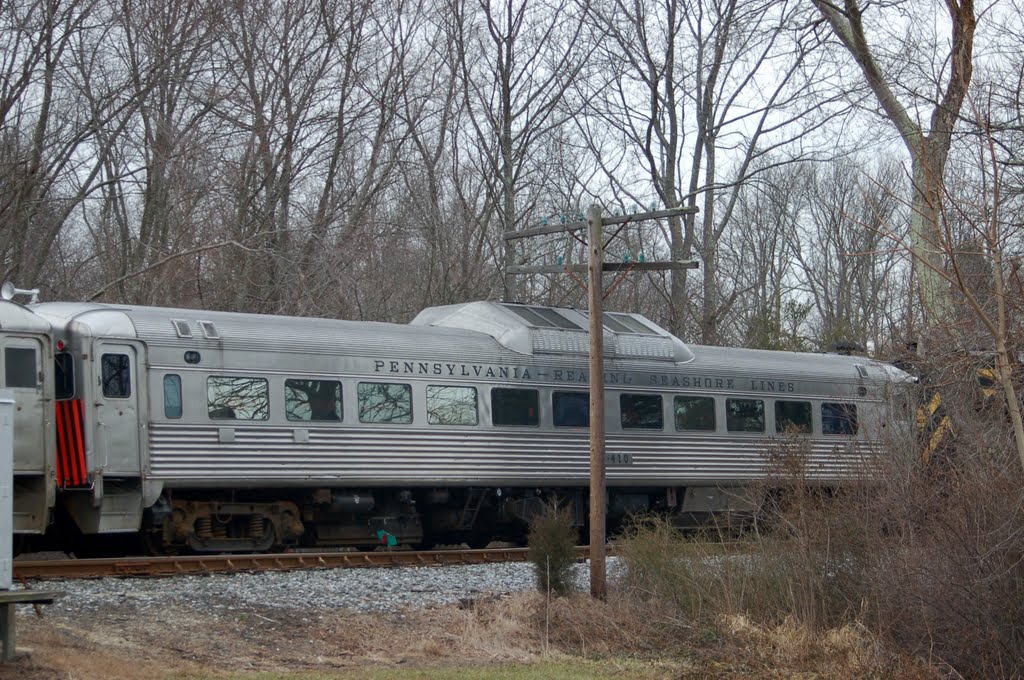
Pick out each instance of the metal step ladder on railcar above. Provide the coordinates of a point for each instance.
(474, 501)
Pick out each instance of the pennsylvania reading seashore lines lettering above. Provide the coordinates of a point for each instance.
(581, 377)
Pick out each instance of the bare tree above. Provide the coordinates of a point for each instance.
(276, 56)
(883, 63)
(989, 302)
(54, 98)
(157, 174)
(518, 59)
(737, 78)
(845, 252)
(759, 252)
(446, 245)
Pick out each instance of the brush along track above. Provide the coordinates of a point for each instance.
(209, 564)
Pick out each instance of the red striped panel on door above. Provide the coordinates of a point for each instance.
(70, 444)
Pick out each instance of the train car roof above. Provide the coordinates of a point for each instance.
(15, 317)
(736, 361)
(475, 331)
(535, 329)
(635, 336)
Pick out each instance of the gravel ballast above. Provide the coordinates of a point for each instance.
(361, 590)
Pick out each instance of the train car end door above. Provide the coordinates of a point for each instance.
(22, 372)
(117, 444)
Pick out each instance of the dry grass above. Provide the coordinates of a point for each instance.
(625, 636)
(920, 567)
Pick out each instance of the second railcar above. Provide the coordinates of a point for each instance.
(221, 431)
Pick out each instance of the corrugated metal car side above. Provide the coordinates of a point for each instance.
(186, 453)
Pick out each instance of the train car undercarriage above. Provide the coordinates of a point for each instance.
(191, 521)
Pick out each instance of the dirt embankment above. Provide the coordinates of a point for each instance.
(114, 644)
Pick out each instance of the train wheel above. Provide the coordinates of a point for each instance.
(152, 543)
(20, 544)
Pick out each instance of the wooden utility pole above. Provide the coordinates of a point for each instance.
(595, 301)
(595, 267)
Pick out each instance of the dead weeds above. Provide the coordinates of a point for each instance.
(518, 630)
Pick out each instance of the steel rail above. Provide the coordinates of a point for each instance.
(165, 566)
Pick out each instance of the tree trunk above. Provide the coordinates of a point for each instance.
(927, 242)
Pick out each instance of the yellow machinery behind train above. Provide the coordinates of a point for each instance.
(934, 422)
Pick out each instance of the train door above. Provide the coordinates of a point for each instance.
(116, 408)
(22, 372)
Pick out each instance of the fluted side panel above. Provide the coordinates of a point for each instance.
(182, 455)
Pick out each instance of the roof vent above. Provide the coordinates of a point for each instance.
(846, 347)
(209, 330)
(181, 328)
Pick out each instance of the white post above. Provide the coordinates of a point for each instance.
(6, 487)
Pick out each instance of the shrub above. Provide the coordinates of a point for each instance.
(928, 556)
(552, 549)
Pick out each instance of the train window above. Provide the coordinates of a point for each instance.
(542, 317)
(447, 405)
(384, 403)
(632, 325)
(116, 375)
(695, 413)
(839, 418)
(793, 416)
(312, 399)
(614, 325)
(242, 398)
(554, 318)
(63, 375)
(172, 396)
(641, 412)
(20, 367)
(744, 415)
(511, 406)
(571, 409)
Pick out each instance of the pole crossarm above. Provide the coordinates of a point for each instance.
(607, 266)
(575, 225)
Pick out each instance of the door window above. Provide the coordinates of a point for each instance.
(20, 367)
(116, 376)
(64, 376)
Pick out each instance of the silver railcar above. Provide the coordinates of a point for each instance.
(226, 431)
(27, 350)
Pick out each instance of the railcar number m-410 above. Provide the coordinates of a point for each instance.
(618, 459)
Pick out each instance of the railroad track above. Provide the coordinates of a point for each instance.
(210, 564)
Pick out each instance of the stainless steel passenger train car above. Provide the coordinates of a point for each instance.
(27, 349)
(219, 431)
